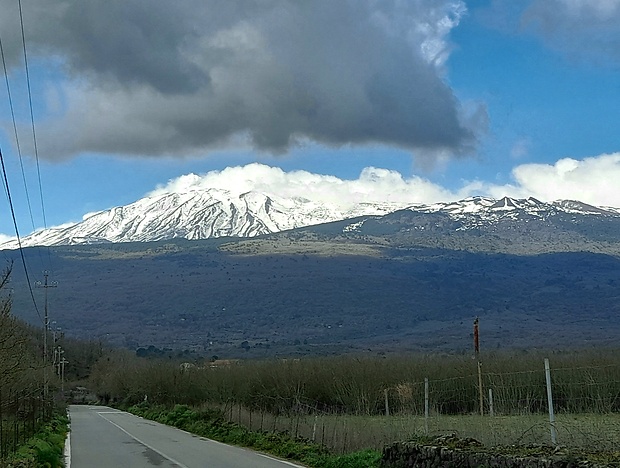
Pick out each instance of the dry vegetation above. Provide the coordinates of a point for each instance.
(341, 401)
(308, 245)
(23, 411)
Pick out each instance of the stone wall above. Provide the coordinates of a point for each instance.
(449, 452)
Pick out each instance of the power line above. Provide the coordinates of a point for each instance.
(17, 144)
(8, 191)
(19, 241)
(5, 178)
(34, 134)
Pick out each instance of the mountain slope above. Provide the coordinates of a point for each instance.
(537, 275)
(304, 292)
(216, 213)
(198, 215)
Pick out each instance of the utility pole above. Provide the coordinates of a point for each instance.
(477, 352)
(62, 363)
(58, 356)
(45, 287)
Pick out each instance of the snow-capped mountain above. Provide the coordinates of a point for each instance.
(490, 207)
(512, 226)
(475, 211)
(488, 214)
(199, 214)
(203, 214)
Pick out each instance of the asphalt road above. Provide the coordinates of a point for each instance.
(103, 437)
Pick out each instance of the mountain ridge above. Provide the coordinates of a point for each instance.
(536, 274)
(214, 213)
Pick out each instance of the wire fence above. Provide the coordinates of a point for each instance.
(22, 414)
(509, 408)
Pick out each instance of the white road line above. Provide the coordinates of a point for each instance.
(68, 450)
(181, 465)
(100, 413)
(281, 461)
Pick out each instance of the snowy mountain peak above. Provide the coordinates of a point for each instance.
(206, 213)
(574, 206)
(509, 204)
(200, 214)
(489, 207)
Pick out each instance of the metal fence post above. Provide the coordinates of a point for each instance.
(554, 435)
(426, 406)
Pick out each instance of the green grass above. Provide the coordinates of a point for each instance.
(344, 433)
(498, 434)
(211, 424)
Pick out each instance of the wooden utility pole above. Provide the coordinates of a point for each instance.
(477, 351)
(387, 402)
(62, 374)
(45, 285)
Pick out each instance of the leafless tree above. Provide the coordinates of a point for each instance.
(15, 352)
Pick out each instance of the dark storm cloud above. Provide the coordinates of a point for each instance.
(130, 42)
(151, 77)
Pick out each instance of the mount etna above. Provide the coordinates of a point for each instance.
(258, 276)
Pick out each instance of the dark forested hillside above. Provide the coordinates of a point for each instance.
(296, 293)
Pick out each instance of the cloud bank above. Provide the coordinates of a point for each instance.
(373, 185)
(177, 78)
(592, 180)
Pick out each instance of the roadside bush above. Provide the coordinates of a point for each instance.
(210, 423)
(45, 448)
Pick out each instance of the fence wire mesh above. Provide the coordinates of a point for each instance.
(586, 401)
(22, 413)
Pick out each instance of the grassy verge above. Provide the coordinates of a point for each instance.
(344, 433)
(211, 424)
(45, 448)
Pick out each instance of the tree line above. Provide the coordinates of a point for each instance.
(584, 381)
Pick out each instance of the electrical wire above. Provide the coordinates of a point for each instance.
(17, 143)
(19, 242)
(6, 181)
(34, 133)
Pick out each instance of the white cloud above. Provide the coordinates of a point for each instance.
(372, 185)
(592, 180)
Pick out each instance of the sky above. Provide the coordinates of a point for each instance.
(420, 100)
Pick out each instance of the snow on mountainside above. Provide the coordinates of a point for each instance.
(480, 212)
(484, 210)
(203, 214)
(492, 207)
(199, 215)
